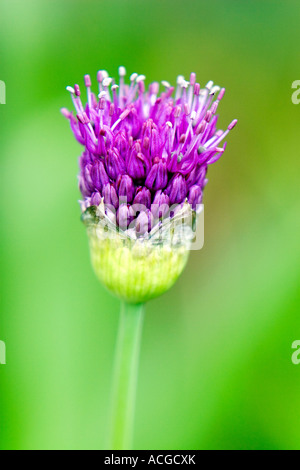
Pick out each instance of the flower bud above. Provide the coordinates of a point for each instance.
(160, 206)
(143, 197)
(123, 216)
(172, 163)
(155, 143)
(121, 144)
(195, 196)
(99, 175)
(134, 270)
(114, 164)
(110, 195)
(84, 188)
(125, 188)
(84, 159)
(177, 189)
(144, 147)
(157, 177)
(137, 165)
(87, 175)
(95, 199)
(144, 222)
(197, 175)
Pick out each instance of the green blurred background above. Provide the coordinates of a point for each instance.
(216, 369)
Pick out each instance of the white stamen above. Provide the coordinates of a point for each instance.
(209, 85)
(140, 78)
(215, 90)
(122, 71)
(180, 79)
(114, 87)
(104, 74)
(184, 84)
(102, 95)
(107, 81)
(168, 123)
(70, 89)
(166, 84)
(133, 77)
(193, 115)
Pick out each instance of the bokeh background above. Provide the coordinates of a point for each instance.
(216, 369)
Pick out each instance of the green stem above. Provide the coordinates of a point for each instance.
(125, 376)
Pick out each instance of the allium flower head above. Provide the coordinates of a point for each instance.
(146, 144)
(145, 150)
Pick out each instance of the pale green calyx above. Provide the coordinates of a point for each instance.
(138, 269)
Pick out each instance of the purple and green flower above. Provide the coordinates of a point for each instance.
(142, 175)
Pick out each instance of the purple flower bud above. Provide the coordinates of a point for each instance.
(138, 165)
(197, 176)
(84, 159)
(123, 216)
(157, 177)
(177, 189)
(195, 196)
(85, 204)
(142, 196)
(125, 188)
(87, 175)
(105, 140)
(167, 137)
(155, 143)
(121, 144)
(187, 163)
(133, 123)
(85, 190)
(110, 195)
(99, 175)
(173, 162)
(114, 164)
(160, 205)
(109, 136)
(95, 199)
(146, 129)
(101, 149)
(144, 222)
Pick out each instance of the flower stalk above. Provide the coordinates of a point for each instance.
(125, 376)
